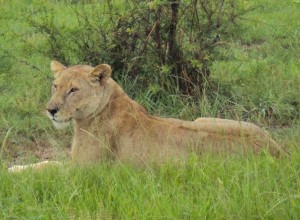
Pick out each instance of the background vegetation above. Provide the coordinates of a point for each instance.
(230, 59)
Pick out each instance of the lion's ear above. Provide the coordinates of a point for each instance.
(101, 72)
(57, 68)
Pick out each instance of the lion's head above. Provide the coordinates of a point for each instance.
(78, 92)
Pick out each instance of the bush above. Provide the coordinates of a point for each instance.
(163, 42)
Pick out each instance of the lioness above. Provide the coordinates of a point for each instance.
(108, 124)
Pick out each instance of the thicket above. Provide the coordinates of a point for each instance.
(163, 44)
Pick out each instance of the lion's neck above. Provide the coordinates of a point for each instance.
(111, 92)
(92, 133)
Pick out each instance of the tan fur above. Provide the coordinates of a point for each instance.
(108, 124)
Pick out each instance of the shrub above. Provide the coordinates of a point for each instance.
(165, 42)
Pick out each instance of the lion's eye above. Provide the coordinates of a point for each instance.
(73, 90)
(54, 86)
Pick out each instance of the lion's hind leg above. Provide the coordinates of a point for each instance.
(239, 130)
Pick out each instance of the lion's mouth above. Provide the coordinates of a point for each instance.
(56, 119)
(61, 121)
(60, 124)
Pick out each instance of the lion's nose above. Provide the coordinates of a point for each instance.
(52, 111)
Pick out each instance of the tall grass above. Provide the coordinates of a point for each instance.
(206, 187)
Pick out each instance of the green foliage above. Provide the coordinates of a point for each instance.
(140, 37)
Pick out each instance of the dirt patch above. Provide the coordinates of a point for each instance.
(33, 152)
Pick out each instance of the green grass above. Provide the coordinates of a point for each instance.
(258, 79)
(209, 187)
(260, 63)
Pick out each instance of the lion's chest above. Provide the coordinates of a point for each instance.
(91, 144)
